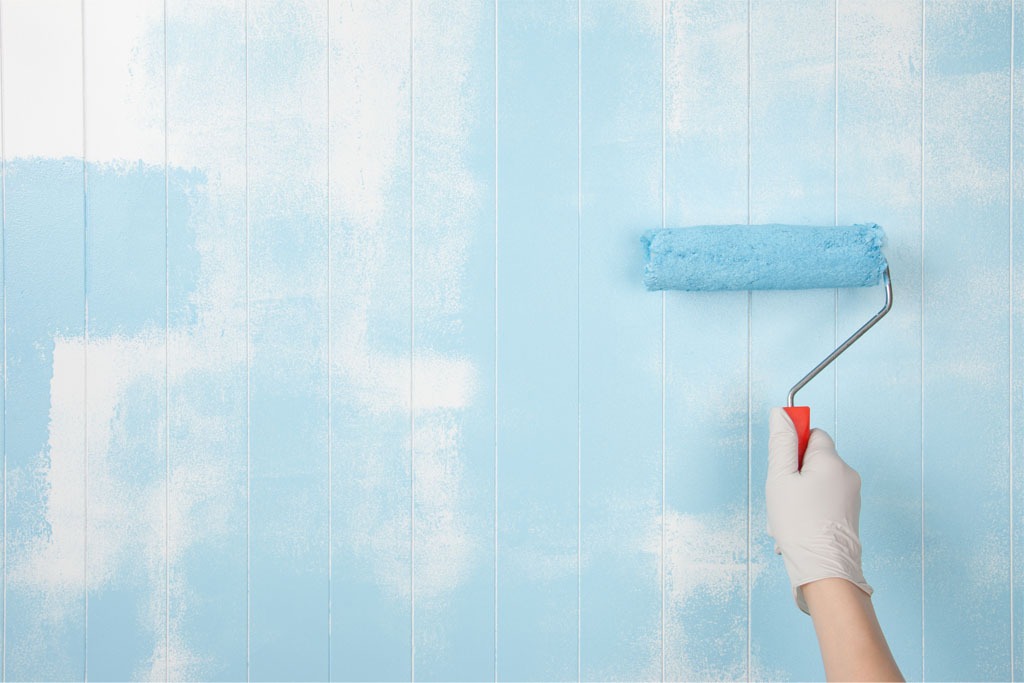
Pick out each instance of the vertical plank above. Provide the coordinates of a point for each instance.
(537, 330)
(206, 356)
(879, 398)
(706, 349)
(1017, 349)
(287, 200)
(3, 355)
(453, 307)
(966, 352)
(370, 340)
(620, 343)
(125, 262)
(44, 417)
(792, 174)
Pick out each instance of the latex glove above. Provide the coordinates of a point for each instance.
(813, 514)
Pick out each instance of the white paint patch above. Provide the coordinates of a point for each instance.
(705, 566)
(706, 52)
(706, 554)
(125, 496)
(52, 564)
(123, 89)
(124, 81)
(42, 37)
(444, 543)
(370, 133)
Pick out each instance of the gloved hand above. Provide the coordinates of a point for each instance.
(813, 514)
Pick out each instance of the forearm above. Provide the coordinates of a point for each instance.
(852, 645)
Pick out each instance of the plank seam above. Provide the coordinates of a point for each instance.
(85, 374)
(495, 340)
(664, 369)
(1011, 341)
(750, 408)
(3, 256)
(923, 312)
(412, 342)
(330, 375)
(248, 381)
(167, 404)
(579, 411)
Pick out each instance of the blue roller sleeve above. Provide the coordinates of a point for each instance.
(745, 257)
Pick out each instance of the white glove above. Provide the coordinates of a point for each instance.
(813, 514)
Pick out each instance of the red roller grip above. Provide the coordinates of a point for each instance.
(801, 417)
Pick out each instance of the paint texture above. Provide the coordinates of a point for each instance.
(710, 258)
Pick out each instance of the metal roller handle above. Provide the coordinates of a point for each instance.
(846, 344)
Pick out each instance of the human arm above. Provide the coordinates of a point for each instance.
(853, 647)
(814, 516)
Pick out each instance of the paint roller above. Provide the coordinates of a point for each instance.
(757, 257)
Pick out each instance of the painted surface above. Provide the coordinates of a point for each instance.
(326, 354)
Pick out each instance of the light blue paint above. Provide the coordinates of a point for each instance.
(537, 343)
(962, 55)
(620, 382)
(43, 197)
(127, 250)
(208, 588)
(706, 339)
(183, 258)
(288, 411)
(454, 318)
(965, 350)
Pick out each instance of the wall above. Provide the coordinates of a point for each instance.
(326, 354)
